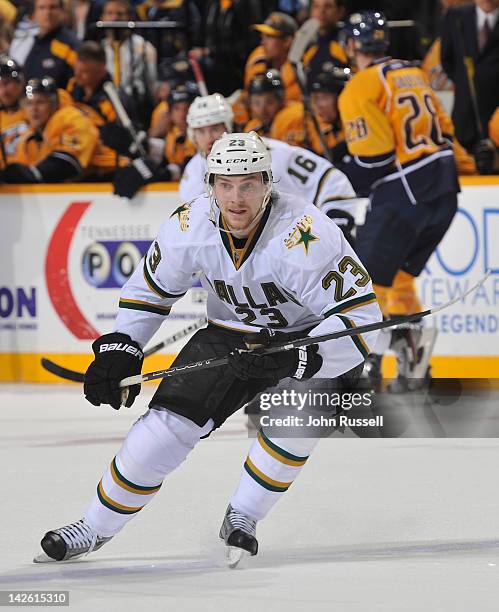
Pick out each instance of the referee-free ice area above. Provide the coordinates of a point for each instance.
(369, 525)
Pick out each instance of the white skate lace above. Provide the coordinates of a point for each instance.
(79, 535)
(242, 522)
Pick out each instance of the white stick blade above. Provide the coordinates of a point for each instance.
(302, 39)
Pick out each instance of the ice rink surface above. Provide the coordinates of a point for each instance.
(370, 524)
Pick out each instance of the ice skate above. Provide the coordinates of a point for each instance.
(413, 345)
(371, 377)
(69, 542)
(238, 531)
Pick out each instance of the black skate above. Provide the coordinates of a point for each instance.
(371, 377)
(238, 531)
(70, 542)
(413, 345)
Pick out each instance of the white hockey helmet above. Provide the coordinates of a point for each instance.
(209, 110)
(237, 154)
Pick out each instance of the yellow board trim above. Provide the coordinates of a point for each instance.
(79, 188)
(26, 367)
(479, 180)
(158, 187)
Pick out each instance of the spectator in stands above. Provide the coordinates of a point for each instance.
(324, 90)
(178, 148)
(7, 17)
(277, 35)
(131, 60)
(274, 117)
(13, 119)
(170, 75)
(172, 42)
(177, 151)
(80, 12)
(87, 92)
(472, 31)
(54, 49)
(227, 42)
(59, 143)
(432, 63)
(23, 38)
(266, 100)
(327, 48)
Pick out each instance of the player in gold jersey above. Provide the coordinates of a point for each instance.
(59, 142)
(13, 120)
(400, 154)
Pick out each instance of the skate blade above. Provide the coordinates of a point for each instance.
(44, 558)
(234, 556)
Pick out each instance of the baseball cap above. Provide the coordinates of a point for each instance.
(277, 24)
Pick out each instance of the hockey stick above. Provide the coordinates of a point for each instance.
(302, 39)
(113, 95)
(198, 73)
(300, 342)
(75, 376)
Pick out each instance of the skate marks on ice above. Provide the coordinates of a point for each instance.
(126, 567)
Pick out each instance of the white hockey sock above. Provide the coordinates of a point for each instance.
(155, 445)
(269, 470)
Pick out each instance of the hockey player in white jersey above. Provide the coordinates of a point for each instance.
(295, 170)
(269, 261)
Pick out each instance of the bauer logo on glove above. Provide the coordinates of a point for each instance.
(117, 356)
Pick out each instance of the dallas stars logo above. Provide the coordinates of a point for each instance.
(301, 234)
(306, 237)
(182, 213)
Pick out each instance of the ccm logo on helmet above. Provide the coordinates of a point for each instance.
(119, 346)
(236, 161)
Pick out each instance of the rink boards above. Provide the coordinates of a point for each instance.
(67, 249)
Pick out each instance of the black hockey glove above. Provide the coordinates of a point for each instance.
(128, 180)
(117, 356)
(300, 363)
(484, 153)
(119, 139)
(20, 173)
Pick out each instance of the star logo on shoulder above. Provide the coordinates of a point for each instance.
(301, 234)
(306, 237)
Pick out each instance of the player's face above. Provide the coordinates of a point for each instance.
(276, 47)
(10, 91)
(48, 14)
(264, 107)
(325, 105)
(39, 109)
(204, 137)
(89, 73)
(325, 11)
(178, 114)
(239, 199)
